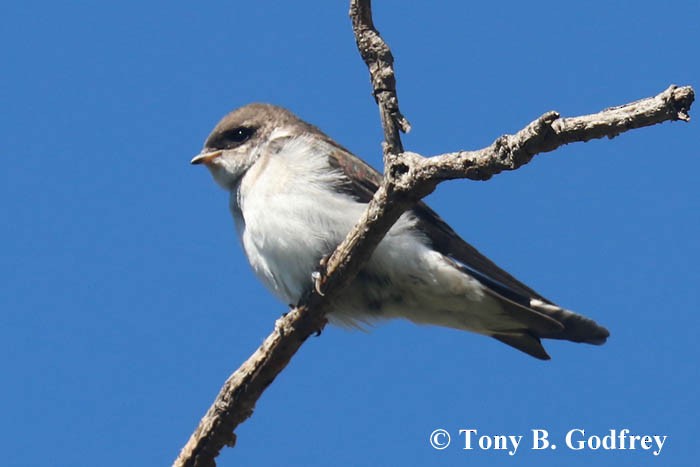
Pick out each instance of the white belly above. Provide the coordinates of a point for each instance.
(292, 217)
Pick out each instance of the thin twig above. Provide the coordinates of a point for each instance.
(549, 132)
(380, 62)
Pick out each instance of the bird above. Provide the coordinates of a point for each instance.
(295, 193)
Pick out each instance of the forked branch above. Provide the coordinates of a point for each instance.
(408, 178)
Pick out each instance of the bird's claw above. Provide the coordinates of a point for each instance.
(318, 282)
(319, 276)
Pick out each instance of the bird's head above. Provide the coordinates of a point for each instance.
(239, 138)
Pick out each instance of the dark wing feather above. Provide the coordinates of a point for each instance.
(364, 180)
(542, 320)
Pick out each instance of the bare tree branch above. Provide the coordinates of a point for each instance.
(380, 62)
(550, 132)
(236, 399)
(408, 177)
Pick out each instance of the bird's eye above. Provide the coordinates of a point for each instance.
(230, 138)
(236, 136)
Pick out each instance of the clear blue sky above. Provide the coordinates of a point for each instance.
(126, 300)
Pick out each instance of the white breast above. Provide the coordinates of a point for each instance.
(289, 216)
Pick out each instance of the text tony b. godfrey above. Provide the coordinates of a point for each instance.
(576, 439)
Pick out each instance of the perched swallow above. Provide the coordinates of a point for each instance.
(295, 194)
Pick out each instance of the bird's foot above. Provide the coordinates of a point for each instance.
(319, 276)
